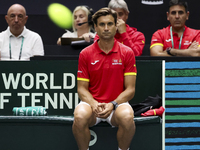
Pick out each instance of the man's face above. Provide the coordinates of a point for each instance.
(177, 16)
(16, 18)
(106, 27)
(121, 14)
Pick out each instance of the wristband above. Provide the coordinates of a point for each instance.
(168, 51)
(115, 104)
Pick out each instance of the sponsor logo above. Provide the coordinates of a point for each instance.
(168, 40)
(94, 135)
(93, 63)
(80, 71)
(187, 43)
(152, 2)
(116, 62)
(154, 40)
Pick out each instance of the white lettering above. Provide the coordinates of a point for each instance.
(4, 100)
(41, 81)
(64, 99)
(52, 86)
(57, 101)
(23, 98)
(11, 80)
(33, 98)
(76, 99)
(65, 86)
(31, 79)
(54, 102)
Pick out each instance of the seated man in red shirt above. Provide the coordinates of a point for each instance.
(126, 35)
(176, 39)
(106, 82)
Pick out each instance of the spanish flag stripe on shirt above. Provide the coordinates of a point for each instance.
(156, 44)
(130, 73)
(83, 79)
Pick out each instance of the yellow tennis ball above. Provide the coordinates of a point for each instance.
(60, 15)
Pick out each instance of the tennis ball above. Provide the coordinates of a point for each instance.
(60, 15)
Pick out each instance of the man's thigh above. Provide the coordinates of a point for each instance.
(84, 112)
(122, 110)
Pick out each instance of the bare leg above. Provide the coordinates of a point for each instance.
(123, 118)
(83, 118)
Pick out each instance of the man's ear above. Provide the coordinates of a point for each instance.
(188, 13)
(95, 26)
(167, 13)
(6, 17)
(26, 18)
(127, 13)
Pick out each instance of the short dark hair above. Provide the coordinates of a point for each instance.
(180, 3)
(104, 12)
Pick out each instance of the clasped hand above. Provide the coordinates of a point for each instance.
(103, 110)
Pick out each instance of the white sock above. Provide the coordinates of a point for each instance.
(121, 149)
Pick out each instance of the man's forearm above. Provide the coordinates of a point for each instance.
(185, 52)
(85, 95)
(125, 96)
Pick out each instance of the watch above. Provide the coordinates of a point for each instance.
(168, 51)
(115, 104)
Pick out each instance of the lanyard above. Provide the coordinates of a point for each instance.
(173, 39)
(20, 53)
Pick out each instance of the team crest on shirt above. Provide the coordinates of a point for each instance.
(154, 40)
(187, 43)
(116, 62)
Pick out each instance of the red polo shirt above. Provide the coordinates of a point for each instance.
(163, 38)
(105, 72)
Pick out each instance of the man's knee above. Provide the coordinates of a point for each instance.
(82, 115)
(125, 115)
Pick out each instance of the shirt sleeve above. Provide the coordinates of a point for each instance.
(1, 41)
(82, 73)
(130, 63)
(136, 42)
(69, 34)
(38, 48)
(156, 39)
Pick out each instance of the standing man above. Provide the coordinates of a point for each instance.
(17, 42)
(126, 35)
(106, 82)
(177, 39)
